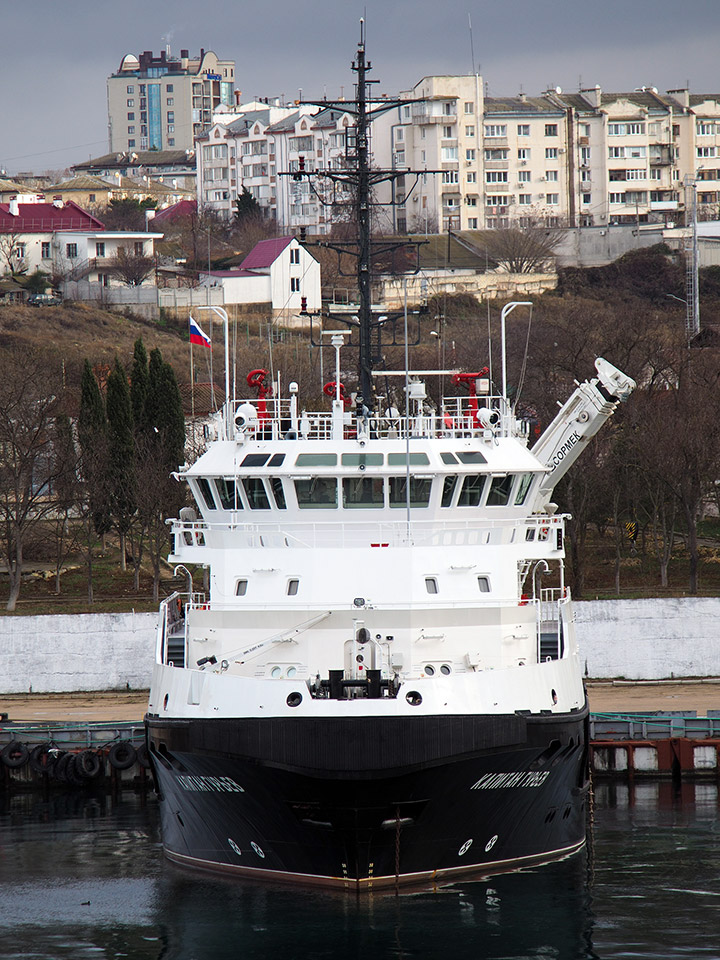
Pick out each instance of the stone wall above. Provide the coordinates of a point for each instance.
(635, 639)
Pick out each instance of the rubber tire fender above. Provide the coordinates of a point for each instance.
(41, 760)
(88, 764)
(15, 754)
(122, 755)
(60, 771)
(143, 757)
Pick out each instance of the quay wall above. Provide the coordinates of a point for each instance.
(656, 639)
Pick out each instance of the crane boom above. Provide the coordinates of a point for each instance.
(578, 420)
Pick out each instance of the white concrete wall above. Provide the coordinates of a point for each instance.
(650, 639)
(60, 654)
(635, 639)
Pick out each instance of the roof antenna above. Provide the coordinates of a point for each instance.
(472, 49)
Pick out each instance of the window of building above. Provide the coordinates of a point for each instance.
(584, 154)
(551, 153)
(552, 199)
(295, 284)
(497, 200)
(131, 128)
(471, 176)
(130, 102)
(71, 250)
(496, 176)
(587, 198)
(131, 143)
(523, 153)
(523, 130)
(469, 107)
(169, 88)
(495, 130)
(551, 176)
(472, 223)
(448, 153)
(524, 176)
(496, 153)
(170, 102)
(448, 108)
(524, 199)
(470, 154)
(705, 151)
(551, 129)
(45, 250)
(130, 88)
(171, 116)
(295, 255)
(617, 198)
(616, 153)
(625, 129)
(99, 249)
(469, 131)
(471, 201)
(638, 174)
(131, 116)
(447, 133)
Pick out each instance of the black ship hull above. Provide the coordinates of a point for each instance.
(371, 801)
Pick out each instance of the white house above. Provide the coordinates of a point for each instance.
(279, 273)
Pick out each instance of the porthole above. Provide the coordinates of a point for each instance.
(258, 850)
(234, 847)
(275, 673)
(553, 694)
(446, 669)
(294, 699)
(413, 698)
(491, 843)
(291, 671)
(464, 848)
(429, 670)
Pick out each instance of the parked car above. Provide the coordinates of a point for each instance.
(43, 300)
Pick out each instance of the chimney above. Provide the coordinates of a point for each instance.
(593, 95)
(184, 54)
(13, 207)
(682, 97)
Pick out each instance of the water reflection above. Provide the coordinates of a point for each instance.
(83, 876)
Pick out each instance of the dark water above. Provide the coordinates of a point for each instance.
(84, 877)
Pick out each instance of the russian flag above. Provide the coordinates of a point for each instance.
(197, 336)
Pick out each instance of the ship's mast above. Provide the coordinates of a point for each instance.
(362, 213)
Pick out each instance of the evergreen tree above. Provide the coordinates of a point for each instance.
(139, 382)
(121, 453)
(247, 206)
(93, 438)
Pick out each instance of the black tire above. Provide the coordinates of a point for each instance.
(15, 755)
(73, 774)
(60, 769)
(143, 757)
(87, 764)
(42, 761)
(122, 755)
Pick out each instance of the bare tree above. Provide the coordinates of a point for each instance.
(132, 268)
(29, 391)
(527, 250)
(12, 253)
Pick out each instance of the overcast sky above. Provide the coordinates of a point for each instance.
(56, 57)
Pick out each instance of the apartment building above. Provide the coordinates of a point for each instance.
(164, 102)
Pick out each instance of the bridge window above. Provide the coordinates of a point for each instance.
(316, 460)
(472, 490)
(402, 459)
(276, 485)
(256, 493)
(431, 585)
(206, 491)
(419, 490)
(229, 495)
(293, 587)
(484, 584)
(471, 456)
(363, 492)
(318, 493)
(362, 459)
(255, 460)
(522, 488)
(448, 489)
(448, 458)
(241, 587)
(276, 459)
(500, 491)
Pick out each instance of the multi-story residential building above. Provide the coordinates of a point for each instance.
(259, 152)
(164, 102)
(174, 168)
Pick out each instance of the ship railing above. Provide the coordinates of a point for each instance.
(550, 606)
(172, 629)
(275, 419)
(237, 532)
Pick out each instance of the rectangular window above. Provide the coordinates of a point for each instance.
(295, 284)
(241, 587)
(524, 199)
(496, 176)
(206, 493)
(469, 107)
(617, 198)
(471, 177)
(45, 250)
(131, 143)
(448, 133)
(471, 490)
(551, 176)
(256, 494)
(551, 153)
(169, 88)
(483, 584)
(131, 129)
(551, 129)
(472, 223)
(131, 116)
(499, 492)
(130, 89)
(99, 249)
(295, 255)
(495, 130)
(584, 154)
(523, 153)
(130, 102)
(705, 151)
(317, 493)
(139, 248)
(587, 198)
(170, 102)
(524, 176)
(228, 494)
(469, 154)
(448, 108)
(365, 493)
(498, 153)
(523, 130)
(469, 131)
(552, 199)
(448, 153)
(71, 250)
(616, 153)
(431, 585)
(450, 176)
(419, 491)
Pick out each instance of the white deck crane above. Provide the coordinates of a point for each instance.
(577, 422)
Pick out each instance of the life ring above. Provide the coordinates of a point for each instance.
(122, 755)
(15, 754)
(330, 390)
(87, 764)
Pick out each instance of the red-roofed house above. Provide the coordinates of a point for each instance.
(64, 241)
(278, 273)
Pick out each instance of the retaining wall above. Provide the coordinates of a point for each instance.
(635, 639)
